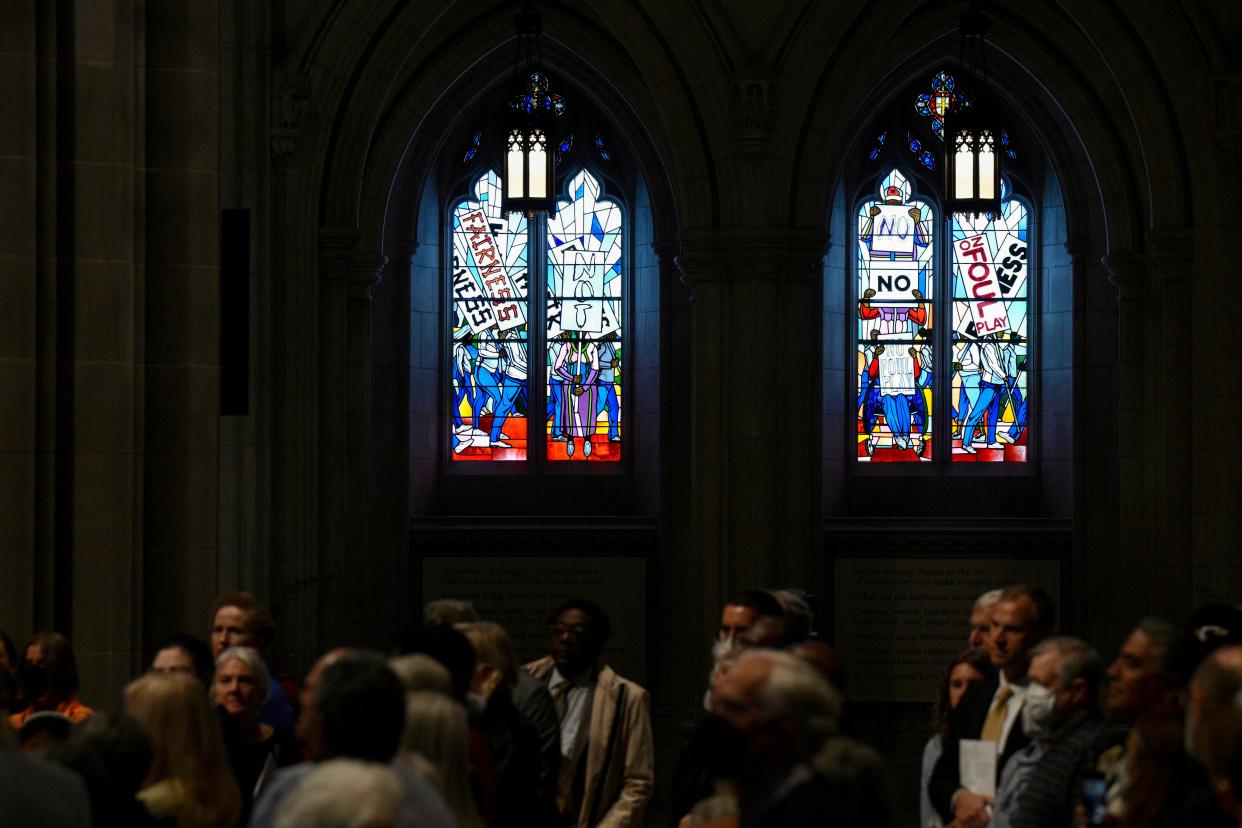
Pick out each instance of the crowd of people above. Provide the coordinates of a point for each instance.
(448, 729)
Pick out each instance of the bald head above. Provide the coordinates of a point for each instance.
(1212, 705)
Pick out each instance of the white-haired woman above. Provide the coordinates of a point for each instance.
(437, 730)
(255, 750)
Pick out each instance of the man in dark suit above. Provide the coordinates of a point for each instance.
(1022, 618)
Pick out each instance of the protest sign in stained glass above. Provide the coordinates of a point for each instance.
(991, 341)
(584, 325)
(490, 308)
(894, 349)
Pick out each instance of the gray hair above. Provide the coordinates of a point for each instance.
(449, 611)
(987, 600)
(1078, 660)
(795, 691)
(343, 793)
(254, 663)
(418, 671)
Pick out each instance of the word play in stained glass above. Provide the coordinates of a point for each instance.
(991, 343)
(488, 284)
(894, 349)
(584, 334)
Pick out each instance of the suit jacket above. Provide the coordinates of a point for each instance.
(619, 766)
(966, 722)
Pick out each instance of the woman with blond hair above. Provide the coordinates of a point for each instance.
(436, 729)
(189, 777)
(525, 787)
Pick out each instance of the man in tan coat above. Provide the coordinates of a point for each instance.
(606, 746)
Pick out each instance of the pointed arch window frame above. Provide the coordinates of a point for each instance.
(865, 189)
(536, 461)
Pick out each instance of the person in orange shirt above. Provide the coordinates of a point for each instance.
(48, 675)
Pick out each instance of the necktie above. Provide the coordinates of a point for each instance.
(995, 722)
(558, 699)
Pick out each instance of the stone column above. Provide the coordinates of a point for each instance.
(1171, 432)
(181, 309)
(346, 277)
(1127, 578)
(755, 401)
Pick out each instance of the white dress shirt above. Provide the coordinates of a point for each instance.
(1012, 712)
(575, 707)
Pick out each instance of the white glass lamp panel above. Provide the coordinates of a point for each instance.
(963, 172)
(537, 163)
(986, 159)
(513, 165)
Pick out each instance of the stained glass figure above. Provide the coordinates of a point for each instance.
(584, 353)
(991, 342)
(894, 349)
(488, 284)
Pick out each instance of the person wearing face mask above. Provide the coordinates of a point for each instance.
(48, 675)
(1060, 715)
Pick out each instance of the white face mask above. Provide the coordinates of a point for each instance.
(1038, 711)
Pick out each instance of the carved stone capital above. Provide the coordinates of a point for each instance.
(1128, 273)
(1077, 250)
(1172, 252)
(341, 259)
(754, 110)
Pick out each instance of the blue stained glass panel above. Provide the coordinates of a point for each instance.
(991, 339)
(488, 359)
(894, 350)
(583, 362)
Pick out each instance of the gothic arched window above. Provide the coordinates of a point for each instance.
(942, 337)
(564, 404)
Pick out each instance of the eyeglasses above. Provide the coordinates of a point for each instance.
(557, 630)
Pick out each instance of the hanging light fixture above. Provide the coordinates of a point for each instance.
(972, 145)
(530, 169)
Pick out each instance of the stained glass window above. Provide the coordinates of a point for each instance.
(584, 325)
(985, 294)
(990, 336)
(894, 348)
(495, 327)
(933, 105)
(490, 331)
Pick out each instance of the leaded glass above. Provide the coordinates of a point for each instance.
(935, 104)
(894, 349)
(990, 337)
(488, 284)
(584, 353)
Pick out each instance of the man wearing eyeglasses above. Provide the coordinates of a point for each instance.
(606, 745)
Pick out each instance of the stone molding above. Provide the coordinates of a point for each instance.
(342, 261)
(1128, 273)
(772, 254)
(1171, 252)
